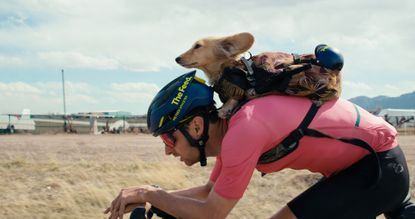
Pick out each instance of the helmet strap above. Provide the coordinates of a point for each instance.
(201, 142)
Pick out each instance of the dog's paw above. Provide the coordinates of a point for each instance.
(224, 113)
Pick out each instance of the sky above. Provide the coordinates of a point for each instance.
(116, 54)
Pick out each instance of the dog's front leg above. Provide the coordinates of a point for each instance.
(226, 110)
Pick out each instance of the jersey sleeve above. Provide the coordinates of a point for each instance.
(241, 148)
(216, 169)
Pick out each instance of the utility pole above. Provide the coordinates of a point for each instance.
(64, 101)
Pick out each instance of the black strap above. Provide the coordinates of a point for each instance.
(288, 74)
(354, 141)
(201, 142)
(280, 82)
(309, 116)
(290, 143)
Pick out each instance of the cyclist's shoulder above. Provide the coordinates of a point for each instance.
(271, 106)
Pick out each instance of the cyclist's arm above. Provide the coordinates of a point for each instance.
(214, 206)
(199, 192)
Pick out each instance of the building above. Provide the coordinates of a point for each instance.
(400, 118)
(107, 113)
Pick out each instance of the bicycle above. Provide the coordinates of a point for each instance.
(140, 213)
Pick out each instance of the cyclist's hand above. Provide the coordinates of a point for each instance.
(127, 200)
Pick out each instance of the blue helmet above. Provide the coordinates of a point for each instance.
(329, 57)
(172, 104)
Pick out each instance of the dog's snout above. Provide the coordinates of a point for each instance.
(178, 59)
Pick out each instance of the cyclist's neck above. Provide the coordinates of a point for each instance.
(217, 131)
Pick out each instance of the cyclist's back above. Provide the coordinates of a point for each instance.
(276, 116)
(264, 122)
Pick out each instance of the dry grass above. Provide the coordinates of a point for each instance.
(76, 176)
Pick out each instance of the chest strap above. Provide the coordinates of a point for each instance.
(291, 142)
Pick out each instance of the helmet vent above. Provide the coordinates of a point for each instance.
(169, 116)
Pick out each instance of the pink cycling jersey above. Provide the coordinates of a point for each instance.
(264, 122)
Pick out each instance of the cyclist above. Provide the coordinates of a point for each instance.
(359, 182)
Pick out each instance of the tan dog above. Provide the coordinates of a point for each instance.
(216, 55)
(213, 54)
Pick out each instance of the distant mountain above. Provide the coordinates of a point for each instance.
(405, 101)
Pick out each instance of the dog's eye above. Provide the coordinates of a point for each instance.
(197, 46)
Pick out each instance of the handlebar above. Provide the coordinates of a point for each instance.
(140, 213)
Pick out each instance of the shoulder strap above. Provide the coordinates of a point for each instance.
(354, 141)
(290, 143)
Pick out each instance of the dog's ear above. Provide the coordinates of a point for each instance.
(236, 44)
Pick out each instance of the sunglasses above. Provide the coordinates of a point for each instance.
(168, 139)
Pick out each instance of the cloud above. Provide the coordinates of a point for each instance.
(134, 87)
(18, 88)
(134, 92)
(44, 97)
(14, 20)
(78, 60)
(145, 36)
(10, 61)
(353, 89)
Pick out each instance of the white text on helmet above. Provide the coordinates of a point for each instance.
(181, 90)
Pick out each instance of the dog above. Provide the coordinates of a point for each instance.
(213, 54)
(216, 55)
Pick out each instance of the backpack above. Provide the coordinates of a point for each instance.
(315, 76)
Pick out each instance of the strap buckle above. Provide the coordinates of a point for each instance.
(249, 71)
(291, 142)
